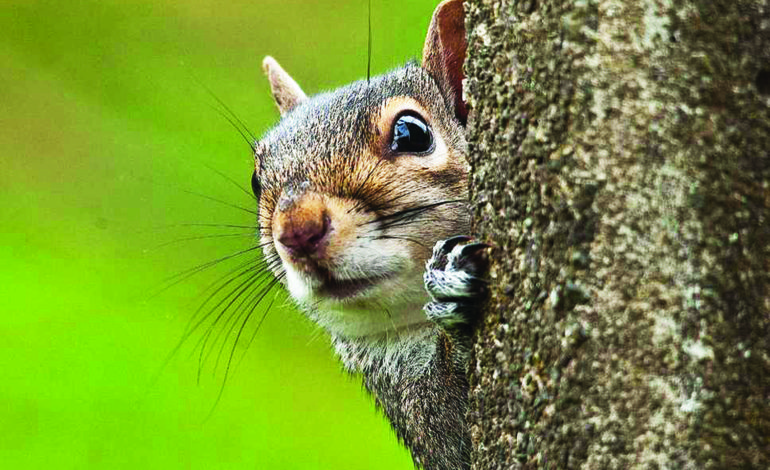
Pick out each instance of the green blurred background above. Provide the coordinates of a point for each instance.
(105, 130)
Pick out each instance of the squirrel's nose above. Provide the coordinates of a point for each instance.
(303, 237)
(301, 225)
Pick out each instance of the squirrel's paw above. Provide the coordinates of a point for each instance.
(454, 280)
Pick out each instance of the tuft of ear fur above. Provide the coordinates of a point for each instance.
(444, 53)
(286, 93)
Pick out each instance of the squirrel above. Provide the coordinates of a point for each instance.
(363, 207)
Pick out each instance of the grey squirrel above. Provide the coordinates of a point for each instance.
(355, 187)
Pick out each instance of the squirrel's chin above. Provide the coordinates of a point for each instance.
(366, 318)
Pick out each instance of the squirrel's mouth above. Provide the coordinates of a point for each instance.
(343, 289)
(323, 283)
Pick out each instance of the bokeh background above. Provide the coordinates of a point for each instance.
(106, 133)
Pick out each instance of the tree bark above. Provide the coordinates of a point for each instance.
(621, 166)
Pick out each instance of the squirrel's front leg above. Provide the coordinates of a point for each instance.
(454, 280)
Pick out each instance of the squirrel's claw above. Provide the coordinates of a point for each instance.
(454, 280)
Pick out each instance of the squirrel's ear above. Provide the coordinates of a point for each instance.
(444, 53)
(286, 93)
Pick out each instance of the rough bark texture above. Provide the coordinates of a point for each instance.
(621, 164)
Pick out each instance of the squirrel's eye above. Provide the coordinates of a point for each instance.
(255, 186)
(411, 134)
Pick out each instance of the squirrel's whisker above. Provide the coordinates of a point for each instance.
(204, 237)
(259, 299)
(233, 182)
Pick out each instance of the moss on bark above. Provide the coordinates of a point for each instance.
(621, 165)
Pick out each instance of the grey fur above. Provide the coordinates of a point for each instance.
(423, 390)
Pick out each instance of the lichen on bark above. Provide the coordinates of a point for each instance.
(621, 166)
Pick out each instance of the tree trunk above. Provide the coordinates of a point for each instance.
(621, 166)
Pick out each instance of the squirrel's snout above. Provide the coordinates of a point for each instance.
(301, 226)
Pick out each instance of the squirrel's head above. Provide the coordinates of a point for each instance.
(355, 186)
